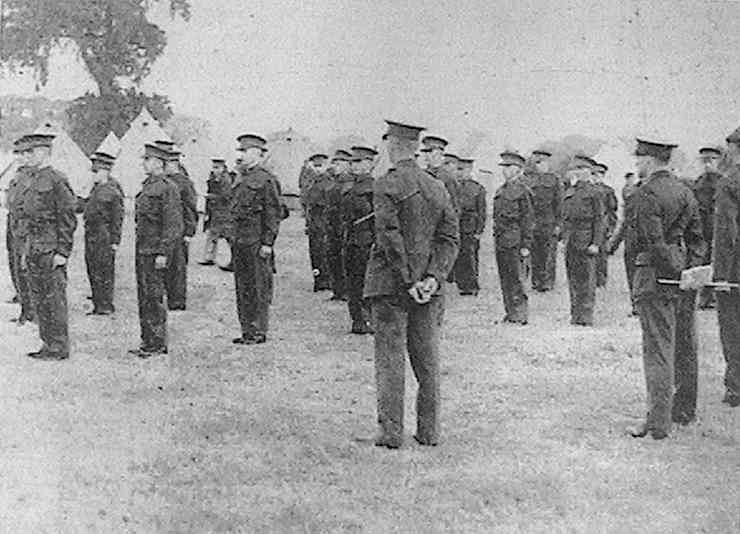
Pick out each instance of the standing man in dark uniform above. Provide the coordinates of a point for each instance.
(317, 202)
(217, 223)
(471, 199)
(547, 197)
(342, 182)
(583, 230)
(158, 216)
(176, 283)
(358, 238)
(434, 150)
(256, 213)
(48, 215)
(415, 247)
(17, 231)
(103, 217)
(705, 189)
(727, 267)
(513, 227)
(663, 220)
(623, 233)
(610, 205)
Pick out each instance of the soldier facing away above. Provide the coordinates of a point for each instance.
(705, 189)
(256, 215)
(610, 206)
(415, 247)
(158, 216)
(217, 222)
(513, 226)
(471, 198)
(667, 240)
(316, 202)
(103, 218)
(48, 215)
(341, 183)
(583, 230)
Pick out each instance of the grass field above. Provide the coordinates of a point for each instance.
(219, 438)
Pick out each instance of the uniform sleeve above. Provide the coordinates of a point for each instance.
(388, 231)
(526, 223)
(189, 209)
(480, 207)
(725, 231)
(613, 208)
(116, 218)
(598, 226)
(172, 220)
(66, 203)
(271, 213)
(649, 227)
(445, 242)
(696, 247)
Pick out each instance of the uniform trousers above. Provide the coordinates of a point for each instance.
(356, 262)
(544, 246)
(728, 313)
(401, 326)
(253, 282)
(48, 287)
(581, 269)
(509, 263)
(150, 291)
(100, 261)
(466, 265)
(686, 366)
(176, 282)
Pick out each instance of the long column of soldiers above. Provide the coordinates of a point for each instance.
(388, 246)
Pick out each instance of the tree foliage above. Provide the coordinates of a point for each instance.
(113, 39)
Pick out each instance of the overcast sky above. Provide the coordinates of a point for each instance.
(523, 70)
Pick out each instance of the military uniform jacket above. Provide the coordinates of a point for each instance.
(317, 195)
(705, 189)
(188, 202)
(357, 203)
(103, 215)
(513, 216)
(450, 183)
(14, 202)
(217, 200)
(726, 261)
(416, 231)
(306, 179)
(583, 216)
(666, 227)
(472, 204)
(158, 216)
(623, 230)
(610, 205)
(547, 199)
(47, 213)
(255, 207)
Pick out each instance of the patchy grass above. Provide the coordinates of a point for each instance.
(218, 438)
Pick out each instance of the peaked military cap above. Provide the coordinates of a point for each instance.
(510, 158)
(432, 142)
(102, 160)
(425, 150)
(151, 150)
(403, 131)
(709, 151)
(656, 149)
(600, 167)
(734, 137)
(363, 152)
(542, 152)
(341, 155)
(165, 144)
(318, 156)
(582, 161)
(21, 145)
(465, 163)
(37, 140)
(247, 141)
(450, 158)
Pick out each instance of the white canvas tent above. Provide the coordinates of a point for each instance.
(288, 151)
(66, 157)
(196, 158)
(111, 145)
(128, 169)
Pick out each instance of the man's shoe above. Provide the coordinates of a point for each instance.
(426, 442)
(639, 432)
(731, 399)
(242, 340)
(48, 355)
(145, 353)
(388, 442)
(207, 262)
(467, 293)
(359, 328)
(180, 307)
(256, 339)
(228, 268)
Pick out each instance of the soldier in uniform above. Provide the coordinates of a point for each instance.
(705, 189)
(49, 221)
(434, 150)
(415, 247)
(622, 232)
(583, 230)
(610, 205)
(667, 239)
(158, 216)
(471, 203)
(727, 267)
(256, 215)
(513, 227)
(103, 217)
(216, 223)
(317, 200)
(547, 196)
(358, 236)
(342, 182)
(177, 269)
